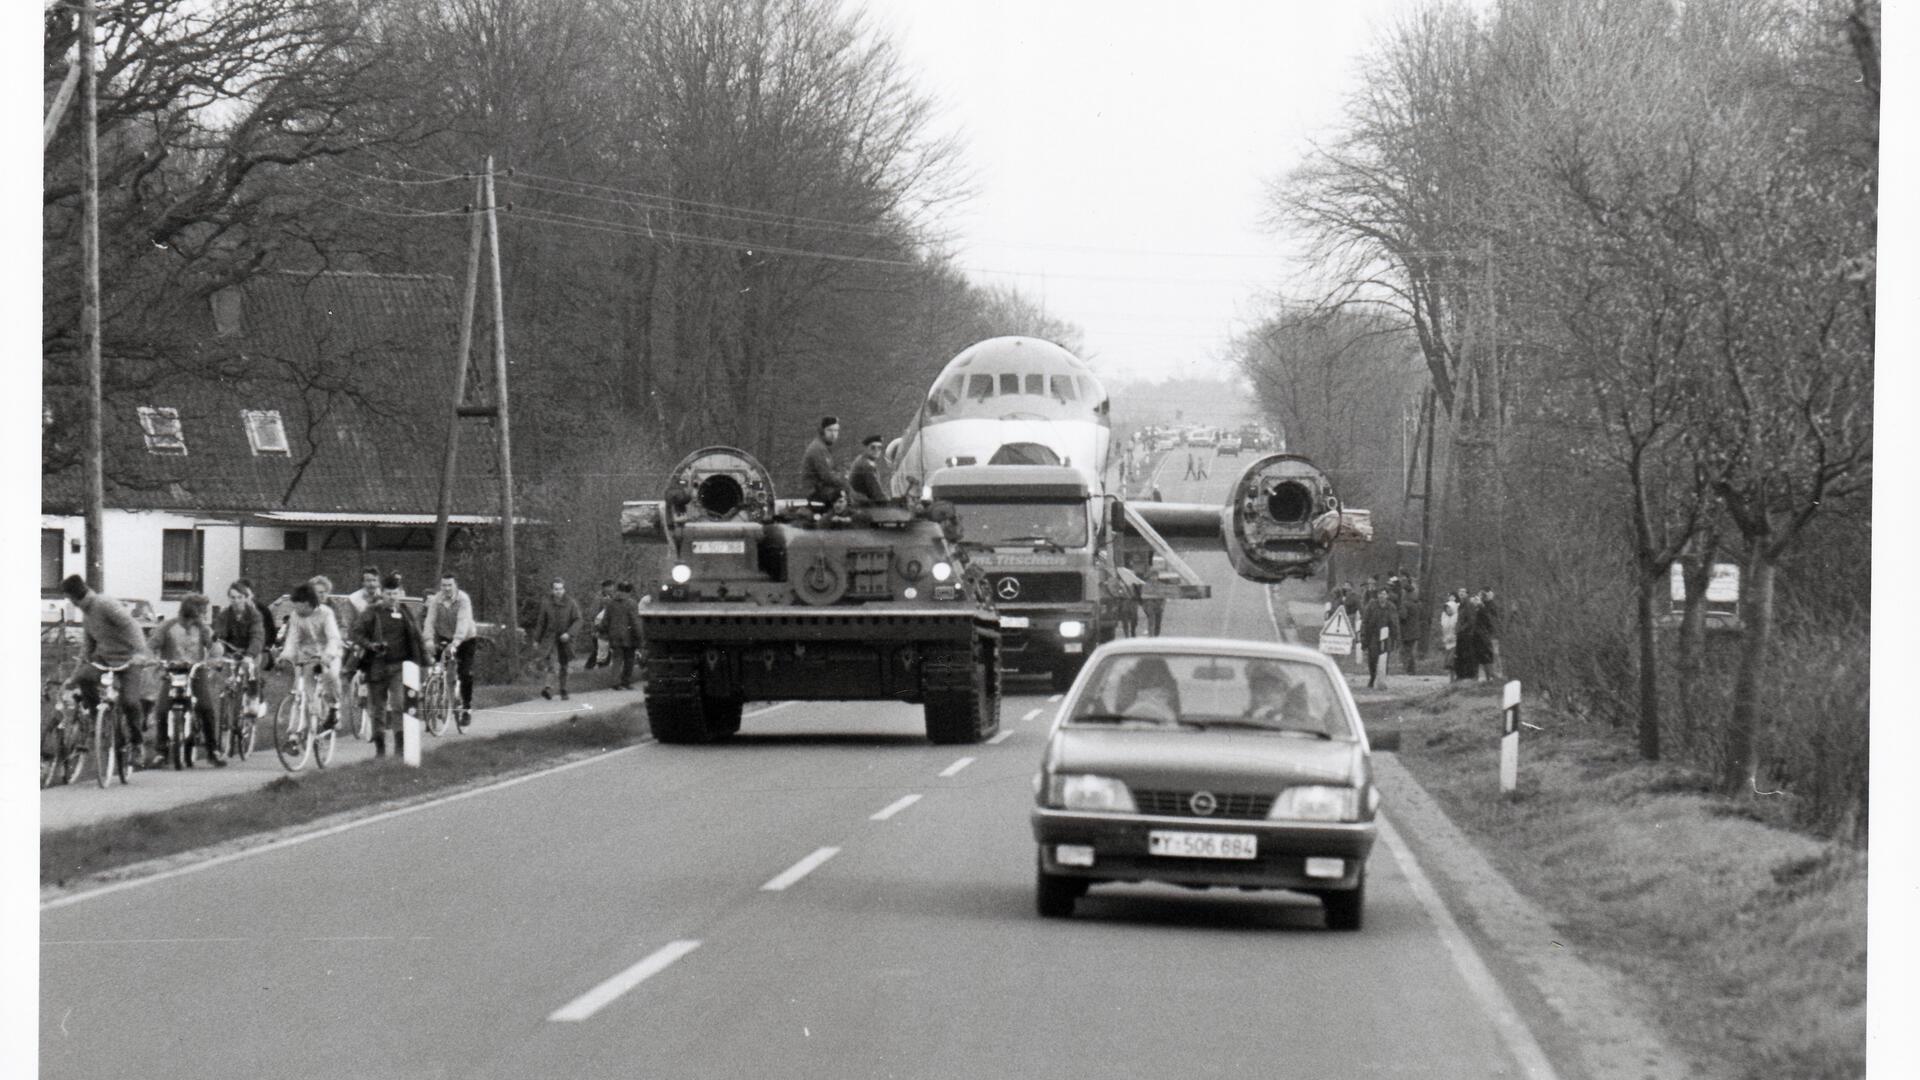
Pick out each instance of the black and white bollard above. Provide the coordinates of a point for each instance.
(410, 730)
(1510, 737)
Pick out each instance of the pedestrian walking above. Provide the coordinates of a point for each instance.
(1379, 620)
(1449, 624)
(599, 652)
(1487, 629)
(1413, 628)
(389, 638)
(553, 632)
(1193, 471)
(1466, 649)
(623, 632)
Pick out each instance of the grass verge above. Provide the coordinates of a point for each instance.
(1749, 941)
(297, 799)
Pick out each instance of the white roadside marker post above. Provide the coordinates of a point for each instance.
(410, 731)
(1510, 737)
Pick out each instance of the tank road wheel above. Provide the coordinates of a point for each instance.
(722, 718)
(676, 719)
(968, 713)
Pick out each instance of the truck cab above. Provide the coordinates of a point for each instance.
(1039, 535)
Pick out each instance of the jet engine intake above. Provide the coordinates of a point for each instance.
(1280, 520)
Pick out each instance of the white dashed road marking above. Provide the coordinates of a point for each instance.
(606, 993)
(895, 807)
(800, 869)
(956, 766)
(1000, 738)
(1056, 698)
(1031, 714)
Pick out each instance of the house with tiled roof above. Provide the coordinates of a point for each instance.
(304, 434)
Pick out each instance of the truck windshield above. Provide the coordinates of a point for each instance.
(1063, 524)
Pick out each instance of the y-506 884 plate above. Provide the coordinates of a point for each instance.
(1198, 845)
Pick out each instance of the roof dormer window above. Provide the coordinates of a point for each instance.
(162, 429)
(265, 431)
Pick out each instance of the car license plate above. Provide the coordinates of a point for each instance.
(1199, 845)
(1013, 622)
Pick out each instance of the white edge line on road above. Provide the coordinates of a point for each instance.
(1031, 713)
(331, 830)
(956, 767)
(895, 807)
(1000, 738)
(800, 869)
(1506, 1019)
(606, 993)
(1055, 699)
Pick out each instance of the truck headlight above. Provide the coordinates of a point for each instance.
(1085, 791)
(1072, 628)
(1316, 802)
(681, 573)
(942, 571)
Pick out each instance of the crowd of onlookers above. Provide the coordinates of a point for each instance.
(1396, 616)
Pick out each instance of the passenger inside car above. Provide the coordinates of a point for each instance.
(1148, 692)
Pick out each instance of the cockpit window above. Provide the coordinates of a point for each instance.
(1009, 384)
(1063, 387)
(946, 395)
(979, 387)
(1037, 385)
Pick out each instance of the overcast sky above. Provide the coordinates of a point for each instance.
(1120, 152)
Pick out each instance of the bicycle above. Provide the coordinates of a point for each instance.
(182, 722)
(439, 695)
(239, 708)
(297, 723)
(354, 715)
(108, 740)
(64, 746)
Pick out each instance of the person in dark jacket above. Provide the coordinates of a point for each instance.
(553, 631)
(864, 480)
(1487, 631)
(623, 632)
(818, 474)
(1379, 623)
(1413, 627)
(597, 628)
(243, 630)
(389, 637)
(1466, 646)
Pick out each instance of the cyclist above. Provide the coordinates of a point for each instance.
(345, 614)
(243, 632)
(110, 637)
(390, 637)
(313, 637)
(186, 638)
(368, 593)
(449, 626)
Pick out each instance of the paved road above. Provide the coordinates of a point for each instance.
(827, 896)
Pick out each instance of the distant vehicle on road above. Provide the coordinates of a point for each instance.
(1203, 437)
(1229, 446)
(1206, 762)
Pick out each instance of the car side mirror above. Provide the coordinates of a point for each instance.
(1388, 741)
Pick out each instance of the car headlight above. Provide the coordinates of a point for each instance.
(1316, 802)
(1085, 791)
(681, 573)
(1072, 628)
(942, 571)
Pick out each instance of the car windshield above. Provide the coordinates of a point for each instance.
(1063, 524)
(1229, 693)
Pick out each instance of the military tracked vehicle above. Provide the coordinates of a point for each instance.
(774, 600)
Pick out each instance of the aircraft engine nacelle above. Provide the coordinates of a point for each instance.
(1282, 518)
(715, 483)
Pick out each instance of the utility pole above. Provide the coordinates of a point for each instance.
(60, 102)
(501, 421)
(462, 358)
(90, 298)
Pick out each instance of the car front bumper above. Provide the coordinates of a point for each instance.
(1120, 850)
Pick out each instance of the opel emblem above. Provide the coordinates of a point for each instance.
(1009, 587)
(1203, 803)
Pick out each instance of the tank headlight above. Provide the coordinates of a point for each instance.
(910, 593)
(1072, 628)
(681, 573)
(942, 571)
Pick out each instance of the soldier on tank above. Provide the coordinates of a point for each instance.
(865, 476)
(817, 469)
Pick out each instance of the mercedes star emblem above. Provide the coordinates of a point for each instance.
(1203, 803)
(1009, 587)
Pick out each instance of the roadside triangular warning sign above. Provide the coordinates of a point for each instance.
(1336, 634)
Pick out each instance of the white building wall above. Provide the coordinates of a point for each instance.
(133, 542)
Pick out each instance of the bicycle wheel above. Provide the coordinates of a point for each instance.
(73, 752)
(49, 765)
(322, 742)
(179, 737)
(245, 733)
(292, 732)
(103, 738)
(353, 712)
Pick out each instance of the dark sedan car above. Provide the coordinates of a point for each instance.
(1206, 762)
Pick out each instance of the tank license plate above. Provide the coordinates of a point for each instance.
(719, 547)
(1195, 845)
